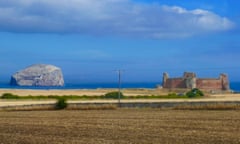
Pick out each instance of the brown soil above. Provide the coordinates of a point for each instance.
(120, 126)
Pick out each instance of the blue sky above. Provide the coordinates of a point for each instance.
(89, 39)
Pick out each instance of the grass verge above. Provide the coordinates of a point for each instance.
(84, 97)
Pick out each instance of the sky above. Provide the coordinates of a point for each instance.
(91, 39)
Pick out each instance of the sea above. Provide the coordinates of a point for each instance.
(235, 86)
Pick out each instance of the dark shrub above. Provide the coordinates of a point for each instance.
(172, 94)
(113, 95)
(9, 96)
(195, 93)
(61, 103)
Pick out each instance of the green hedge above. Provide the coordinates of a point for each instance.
(61, 103)
(113, 95)
(194, 93)
(9, 96)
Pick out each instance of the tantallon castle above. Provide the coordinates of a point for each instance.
(190, 80)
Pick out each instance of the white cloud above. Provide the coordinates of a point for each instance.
(107, 17)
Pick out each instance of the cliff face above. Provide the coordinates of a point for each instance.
(38, 75)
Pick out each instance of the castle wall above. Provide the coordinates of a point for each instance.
(174, 83)
(212, 84)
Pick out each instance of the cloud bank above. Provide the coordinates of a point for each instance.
(107, 17)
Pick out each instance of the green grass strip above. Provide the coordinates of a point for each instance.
(85, 97)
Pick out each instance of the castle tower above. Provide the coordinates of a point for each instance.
(190, 80)
(225, 82)
(165, 77)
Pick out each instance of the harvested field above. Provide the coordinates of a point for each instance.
(120, 126)
(88, 92)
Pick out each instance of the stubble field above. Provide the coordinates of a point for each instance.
(120, 126)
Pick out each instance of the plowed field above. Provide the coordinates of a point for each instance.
(120, 126)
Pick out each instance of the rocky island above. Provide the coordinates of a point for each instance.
(38, 75)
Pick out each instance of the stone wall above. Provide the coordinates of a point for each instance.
(163, 104)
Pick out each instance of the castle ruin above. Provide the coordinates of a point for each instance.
(190, 81)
